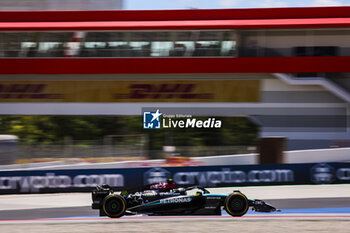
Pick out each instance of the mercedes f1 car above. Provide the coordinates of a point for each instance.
(163, 199)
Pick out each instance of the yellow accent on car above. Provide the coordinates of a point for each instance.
(236, 194)
(104, 205)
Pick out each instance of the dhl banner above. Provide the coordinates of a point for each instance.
(130, 91)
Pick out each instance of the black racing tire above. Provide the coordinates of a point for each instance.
(114, 206)
(236, 204)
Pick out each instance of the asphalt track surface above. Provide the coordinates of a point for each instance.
(315, 208)
(288, 206)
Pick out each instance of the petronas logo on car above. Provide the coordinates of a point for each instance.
(176, 200)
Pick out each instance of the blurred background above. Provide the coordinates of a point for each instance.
(76, 76)
(63, 5)
(121, 137)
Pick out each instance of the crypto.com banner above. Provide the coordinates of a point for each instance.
(84, 180)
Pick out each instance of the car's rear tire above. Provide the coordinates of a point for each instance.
(114, 206)
(236, 204)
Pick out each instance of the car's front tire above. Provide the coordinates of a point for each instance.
(236, 204)
(114, 206)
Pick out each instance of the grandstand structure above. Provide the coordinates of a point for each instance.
(286, 68)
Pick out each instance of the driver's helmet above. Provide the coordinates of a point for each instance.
(170, 181)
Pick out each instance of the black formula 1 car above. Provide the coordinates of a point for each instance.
(164, 202)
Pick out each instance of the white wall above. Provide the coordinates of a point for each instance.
(301, 156)
(318, 156)
(227, 160)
